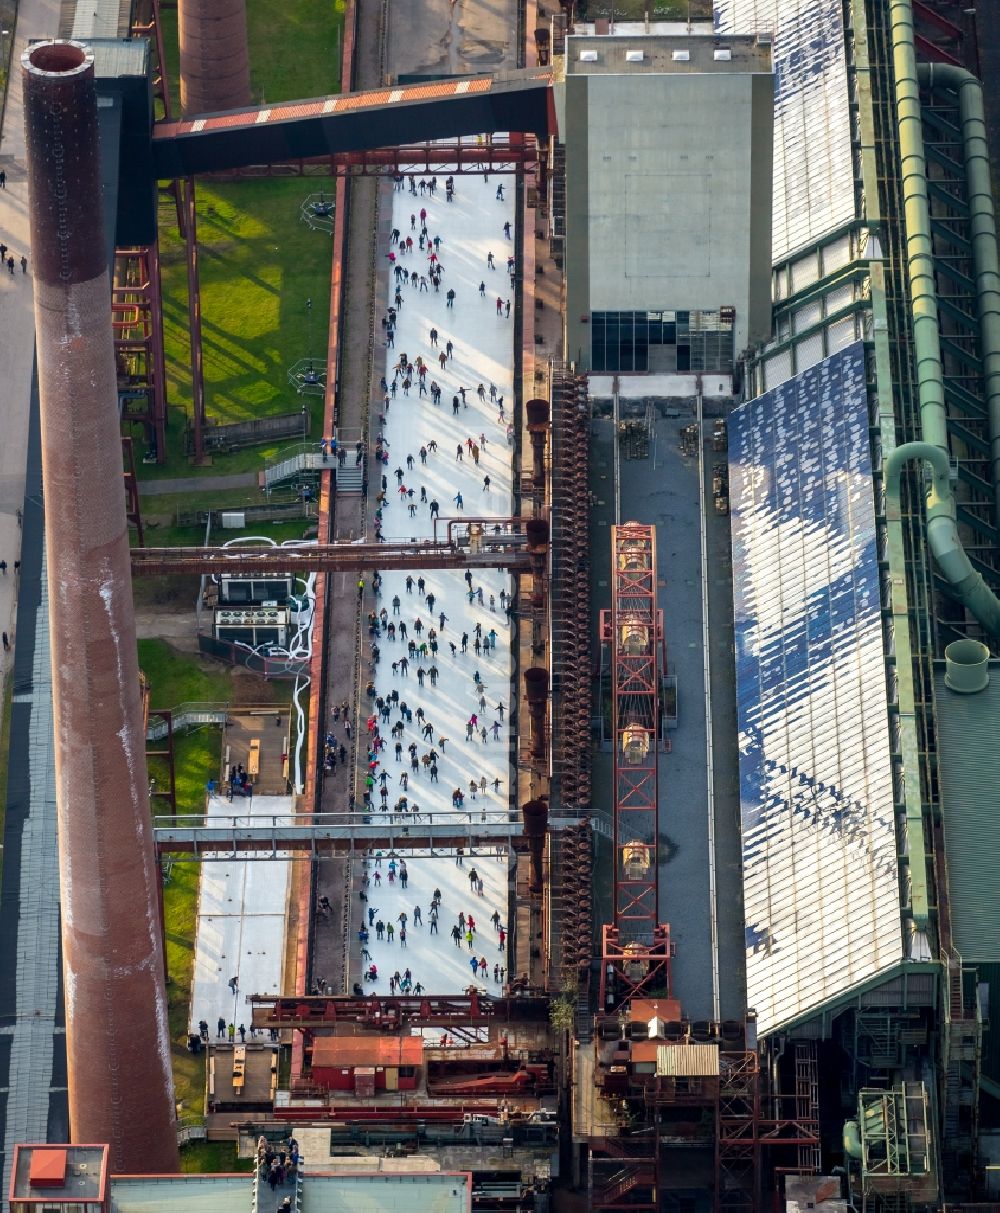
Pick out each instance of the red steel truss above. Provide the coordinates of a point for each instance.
(636, 953)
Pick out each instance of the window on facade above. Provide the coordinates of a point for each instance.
(661, 341)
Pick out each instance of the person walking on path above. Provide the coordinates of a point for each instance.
(3, 179)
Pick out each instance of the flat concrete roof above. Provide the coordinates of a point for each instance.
(677, 53)
(438, 1192)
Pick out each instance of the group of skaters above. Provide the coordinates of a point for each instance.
(419, 633)
(393, 927)
(421, 646)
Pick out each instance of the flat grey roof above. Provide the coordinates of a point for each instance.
(705, 54)
(969, 774)
(380, 1192)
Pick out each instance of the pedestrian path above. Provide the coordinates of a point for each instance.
(197, 484)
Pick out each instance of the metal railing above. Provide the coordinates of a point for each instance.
(187, 714)
(220, 836)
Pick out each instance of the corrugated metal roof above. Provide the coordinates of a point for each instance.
(691, 1061)
(969, 765)
(820, 869)
(813, 164)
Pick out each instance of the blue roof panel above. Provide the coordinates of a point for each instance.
(820, 873)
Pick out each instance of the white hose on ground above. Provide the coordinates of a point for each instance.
(299, 648)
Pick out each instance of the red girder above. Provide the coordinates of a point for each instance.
(636, 948)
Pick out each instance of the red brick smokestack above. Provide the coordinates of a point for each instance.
(215, 62)
(117, 1039)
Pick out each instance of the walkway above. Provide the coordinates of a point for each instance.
(198, 484)
(32, 1054)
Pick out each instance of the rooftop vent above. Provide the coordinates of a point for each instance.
(588, 56)
(634, 56)
(680, 56)
(722, 55)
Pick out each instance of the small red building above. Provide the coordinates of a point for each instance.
(365, 1064)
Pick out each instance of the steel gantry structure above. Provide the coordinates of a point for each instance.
(515, 544)
(636, 946)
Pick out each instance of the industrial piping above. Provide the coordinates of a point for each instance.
(984, 236)
(117, 1037)
(942, 529)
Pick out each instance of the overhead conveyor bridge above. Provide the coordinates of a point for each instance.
(347, 123)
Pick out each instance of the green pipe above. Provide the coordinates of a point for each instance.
(942, 529)
(986, 265)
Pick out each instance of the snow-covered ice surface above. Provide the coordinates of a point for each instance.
(241, 923)
(435, 961)
(470, 227)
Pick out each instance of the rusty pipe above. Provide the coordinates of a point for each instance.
(117, 1037)
(535, 814)
(537, 412)
(536, 690)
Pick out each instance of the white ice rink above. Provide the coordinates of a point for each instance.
(470, 227)
(435, 961)
(241, 924)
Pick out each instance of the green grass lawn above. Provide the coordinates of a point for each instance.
(176, 677)
(259, 265)
(180, 911)
(258, 262)
(213, 1158)
(279, 71)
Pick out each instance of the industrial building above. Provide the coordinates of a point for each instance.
(744, 512)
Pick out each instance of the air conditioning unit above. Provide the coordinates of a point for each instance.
(722, 55)
(634, 56)
(680, 56)
(588, 56)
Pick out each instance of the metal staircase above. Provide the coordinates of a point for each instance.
(293, 463)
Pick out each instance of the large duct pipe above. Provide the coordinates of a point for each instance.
(942, 529)
(215, 61)
(986, 266)
(536, 692)
(117, 1038)
(535, 814)
(537, 412)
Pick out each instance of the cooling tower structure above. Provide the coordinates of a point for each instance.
(118, 1048)
(215, 63)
